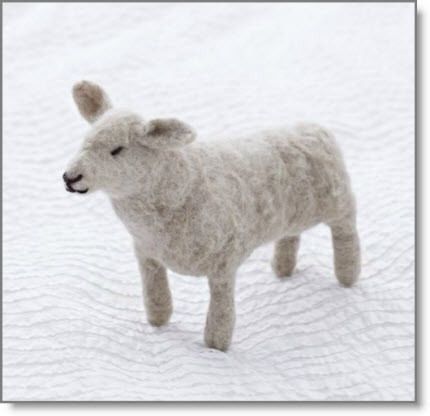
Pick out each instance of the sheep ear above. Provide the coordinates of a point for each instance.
(91, 100)
(166, 133)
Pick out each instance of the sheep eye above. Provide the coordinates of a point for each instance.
(116, 151)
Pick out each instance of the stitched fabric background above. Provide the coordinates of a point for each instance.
(74, 327)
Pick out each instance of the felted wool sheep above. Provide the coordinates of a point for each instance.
(200, 209)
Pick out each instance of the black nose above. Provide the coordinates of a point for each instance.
(68, 180)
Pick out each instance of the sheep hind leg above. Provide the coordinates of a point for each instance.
(285, 256)
(346, 248)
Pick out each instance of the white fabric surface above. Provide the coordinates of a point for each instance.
(74, 326)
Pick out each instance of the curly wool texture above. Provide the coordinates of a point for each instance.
(201, 208)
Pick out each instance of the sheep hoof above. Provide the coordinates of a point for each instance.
(348, 276)
(159, 318)
(218, 344)
(283, 269)
(220, 341)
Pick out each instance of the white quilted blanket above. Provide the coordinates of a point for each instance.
(74, 326)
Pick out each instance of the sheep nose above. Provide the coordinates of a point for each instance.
(69, 181)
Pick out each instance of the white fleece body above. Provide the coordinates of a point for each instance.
(239, 195)
(201, 208)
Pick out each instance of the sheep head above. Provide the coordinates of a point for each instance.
(121, 150)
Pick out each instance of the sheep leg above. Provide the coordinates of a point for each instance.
(285, 256)
(156, 292)
(346, 247)
(221, 315)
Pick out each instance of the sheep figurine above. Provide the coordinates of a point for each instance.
(200, 209)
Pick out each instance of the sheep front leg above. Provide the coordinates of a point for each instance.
(156, 292)
(221, 316)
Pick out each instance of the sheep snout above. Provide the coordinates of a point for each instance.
(69, 181)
